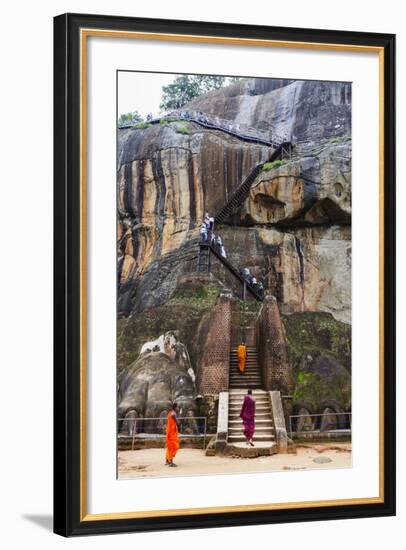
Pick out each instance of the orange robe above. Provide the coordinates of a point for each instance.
(172, 437)
(242, 356)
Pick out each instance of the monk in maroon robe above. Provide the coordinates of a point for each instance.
(247, 415)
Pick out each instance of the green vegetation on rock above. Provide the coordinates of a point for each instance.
(141, 125)
(184, 312)
(275, 164)
(319, 350)
(182, 130)
(128, 117)
(315, 333)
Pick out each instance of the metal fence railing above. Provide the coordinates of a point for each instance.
(144, 429)
(338, 423)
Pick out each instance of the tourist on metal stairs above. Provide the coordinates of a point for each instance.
(203, 233)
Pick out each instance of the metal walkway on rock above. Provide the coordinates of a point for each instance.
(241, 131)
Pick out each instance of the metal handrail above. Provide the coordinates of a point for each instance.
(321, 415)
(162, 435)
(232, 269)
(270, 138)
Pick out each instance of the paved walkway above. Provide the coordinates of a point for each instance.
(150, 462)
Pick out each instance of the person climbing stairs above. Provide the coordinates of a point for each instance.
(264, 435)
(251, 377)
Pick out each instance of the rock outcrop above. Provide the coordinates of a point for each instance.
(161, 375)
(301, 110)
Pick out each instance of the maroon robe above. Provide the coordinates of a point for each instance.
(247, 415)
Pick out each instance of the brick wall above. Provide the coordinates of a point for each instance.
(272, 351)
(213, 369)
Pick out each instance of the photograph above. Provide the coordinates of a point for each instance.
(233, 274)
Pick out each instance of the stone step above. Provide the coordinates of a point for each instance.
(259, 407)
(252, 363)
(259, 433)
(265, 415)
(249, 359)
(234, 384)
(242, 386)
(262, 438)
(246, 383)
(240, 398)
(262, 411)
(259, 424)
(234, 365)
(246, 377)
(257, 394)
(252, 358)
(235, 421)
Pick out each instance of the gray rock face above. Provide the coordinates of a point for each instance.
(303, 110)
(329, 387)
(314, 188)
(160, 376)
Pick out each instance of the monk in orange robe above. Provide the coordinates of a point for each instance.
(172, 437)
(242, 356)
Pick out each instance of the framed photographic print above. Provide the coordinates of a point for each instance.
(224, 274)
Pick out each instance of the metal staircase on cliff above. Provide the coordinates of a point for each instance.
(241, 192)
(204, 264)
(281, 145)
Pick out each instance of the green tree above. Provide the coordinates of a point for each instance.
(185, 87)
(128, 117)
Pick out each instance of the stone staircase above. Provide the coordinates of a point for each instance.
(264, 436)
(239, 383)
(251, 377)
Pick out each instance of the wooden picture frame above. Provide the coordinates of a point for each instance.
(70, 468)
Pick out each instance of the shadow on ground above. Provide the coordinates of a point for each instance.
(45, 521)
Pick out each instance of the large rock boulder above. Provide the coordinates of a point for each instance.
(314, 188)
(160, 376)
(319, 350)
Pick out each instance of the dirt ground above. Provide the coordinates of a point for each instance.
(150, 462)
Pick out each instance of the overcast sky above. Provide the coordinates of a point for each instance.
(141, 92)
